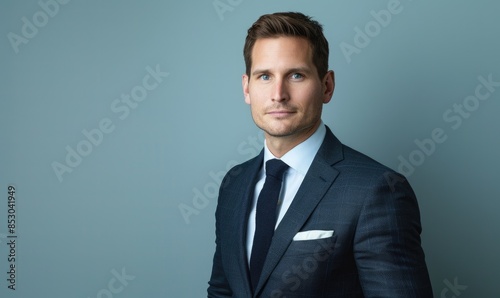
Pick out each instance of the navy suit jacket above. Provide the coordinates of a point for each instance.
(375, 248)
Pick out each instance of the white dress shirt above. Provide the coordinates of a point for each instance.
(299, 159)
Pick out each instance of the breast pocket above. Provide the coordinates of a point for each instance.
(320, 249)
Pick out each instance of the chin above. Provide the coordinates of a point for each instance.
(280, 132)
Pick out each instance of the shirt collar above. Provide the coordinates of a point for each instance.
(301, 156)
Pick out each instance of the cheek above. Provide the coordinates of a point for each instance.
(311, 103)
(255, 98)
(255, 107)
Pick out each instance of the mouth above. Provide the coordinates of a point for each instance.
(280, 113)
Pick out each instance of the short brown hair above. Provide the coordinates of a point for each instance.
(293, 24)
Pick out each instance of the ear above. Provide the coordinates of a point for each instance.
(244, 83)
(328, 86)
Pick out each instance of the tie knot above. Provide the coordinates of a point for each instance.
(276, 168)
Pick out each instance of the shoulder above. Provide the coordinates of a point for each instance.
(360, 162)
(361, 171)
(252, 164)
(348, 160)
(239, 175)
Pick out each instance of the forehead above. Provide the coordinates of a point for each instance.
(281, 51)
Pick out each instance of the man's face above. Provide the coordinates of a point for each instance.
(284, 90)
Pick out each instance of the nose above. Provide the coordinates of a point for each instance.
(280, 91)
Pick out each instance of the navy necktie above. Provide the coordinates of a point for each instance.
(265, 219)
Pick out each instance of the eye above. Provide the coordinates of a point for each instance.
(264, 77)
(297, 76)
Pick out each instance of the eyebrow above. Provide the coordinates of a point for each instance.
(291, 70)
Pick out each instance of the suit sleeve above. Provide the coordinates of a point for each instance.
(387, 247)
(218, 284)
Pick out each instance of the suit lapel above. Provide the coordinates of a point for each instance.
(240, 219)
(316, 183)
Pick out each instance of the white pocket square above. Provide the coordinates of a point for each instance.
(312, 235)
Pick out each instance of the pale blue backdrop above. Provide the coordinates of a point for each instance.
(118, 119)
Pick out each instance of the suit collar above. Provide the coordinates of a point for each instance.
(331, 151)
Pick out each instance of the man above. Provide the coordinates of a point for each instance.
(309, 216)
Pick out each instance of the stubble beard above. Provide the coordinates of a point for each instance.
(289, 131)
